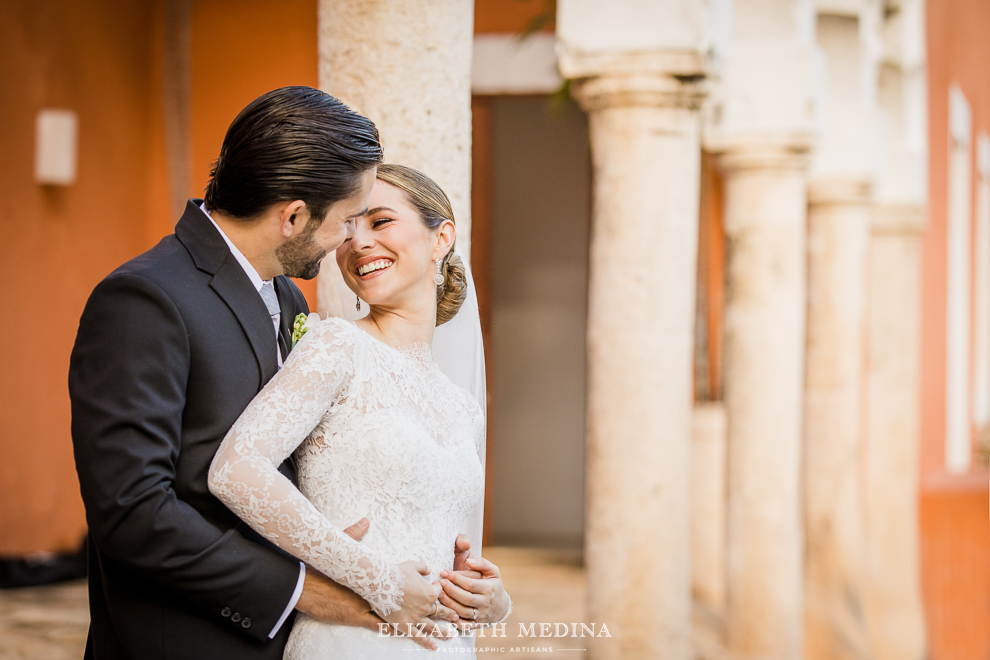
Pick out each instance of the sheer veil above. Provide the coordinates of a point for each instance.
(457, 348)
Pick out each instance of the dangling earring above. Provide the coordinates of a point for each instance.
(438, 278)
(357, 303)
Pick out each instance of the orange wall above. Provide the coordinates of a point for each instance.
(238, 55)
(958, 52)
(511, 15)
(56, 243)
(103, 59)
(955, 521)
(955, 547)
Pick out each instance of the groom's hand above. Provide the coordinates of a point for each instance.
(358, 529)
(462, 553)
(325, 600)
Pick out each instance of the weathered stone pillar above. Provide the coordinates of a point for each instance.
(637, 69)
(765, 213)
(893, 593)
(762, 126)
(646, 154)
(708, 506)
(842, 176)
(838, 230)
(407, 66)
(893, 606)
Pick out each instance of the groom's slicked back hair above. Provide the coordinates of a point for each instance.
(292, 143)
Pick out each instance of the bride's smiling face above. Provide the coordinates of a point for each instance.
(388, 259)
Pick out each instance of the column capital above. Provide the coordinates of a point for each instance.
(907, 219)
(784, 152)
(836, 191)
(657, 79)
(581, 64)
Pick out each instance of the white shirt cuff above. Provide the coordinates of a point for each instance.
(292, 601)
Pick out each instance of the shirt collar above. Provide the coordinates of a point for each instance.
(250, 270)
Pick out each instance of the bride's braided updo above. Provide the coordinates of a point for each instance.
(434, 208)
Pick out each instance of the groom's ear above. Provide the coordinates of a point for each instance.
(293, 217)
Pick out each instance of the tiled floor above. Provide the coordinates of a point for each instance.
(44, 623)
(546, 587)
(49, 623)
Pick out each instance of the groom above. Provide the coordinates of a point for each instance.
(171, 348)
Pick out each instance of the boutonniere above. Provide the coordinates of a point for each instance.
(302, 325)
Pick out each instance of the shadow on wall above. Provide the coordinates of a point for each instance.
(43, 568)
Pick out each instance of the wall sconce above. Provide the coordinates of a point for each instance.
(56, 147)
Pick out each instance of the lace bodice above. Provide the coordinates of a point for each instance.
(378, 432)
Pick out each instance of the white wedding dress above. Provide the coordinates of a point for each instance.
(378, 432)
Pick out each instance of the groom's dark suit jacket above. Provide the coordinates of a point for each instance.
(171, 348)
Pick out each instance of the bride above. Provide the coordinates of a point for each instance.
(378, 432)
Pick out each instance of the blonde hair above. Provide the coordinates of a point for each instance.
(434, 208)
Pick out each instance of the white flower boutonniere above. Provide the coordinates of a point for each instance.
(302, 325)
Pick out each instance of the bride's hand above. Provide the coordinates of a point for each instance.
(476, 600)
(419, 603)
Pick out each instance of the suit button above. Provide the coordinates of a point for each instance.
(225, 612)
(246, 623)
(236, 617)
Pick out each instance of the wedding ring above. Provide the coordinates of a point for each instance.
(474, 613)
(434, 610)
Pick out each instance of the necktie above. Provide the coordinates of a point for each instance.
(271, 302)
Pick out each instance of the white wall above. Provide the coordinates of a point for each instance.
(958, 443)
(981, 279)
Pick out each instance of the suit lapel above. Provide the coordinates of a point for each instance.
(233, 285)
(210, 254)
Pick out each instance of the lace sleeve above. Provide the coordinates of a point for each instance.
(244, 474)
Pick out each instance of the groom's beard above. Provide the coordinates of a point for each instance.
(301, 257)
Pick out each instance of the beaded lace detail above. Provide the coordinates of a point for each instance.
(378, 432)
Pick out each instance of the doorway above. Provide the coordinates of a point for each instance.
(532, 221)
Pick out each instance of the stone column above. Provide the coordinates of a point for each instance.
(762, 126)
(893, 594)
(407, 66)
(646, 154)
(893, 604)
(765, 215)
(838, 230)
(708, 505)
(843, 172)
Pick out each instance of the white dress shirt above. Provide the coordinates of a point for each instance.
(256, 280)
